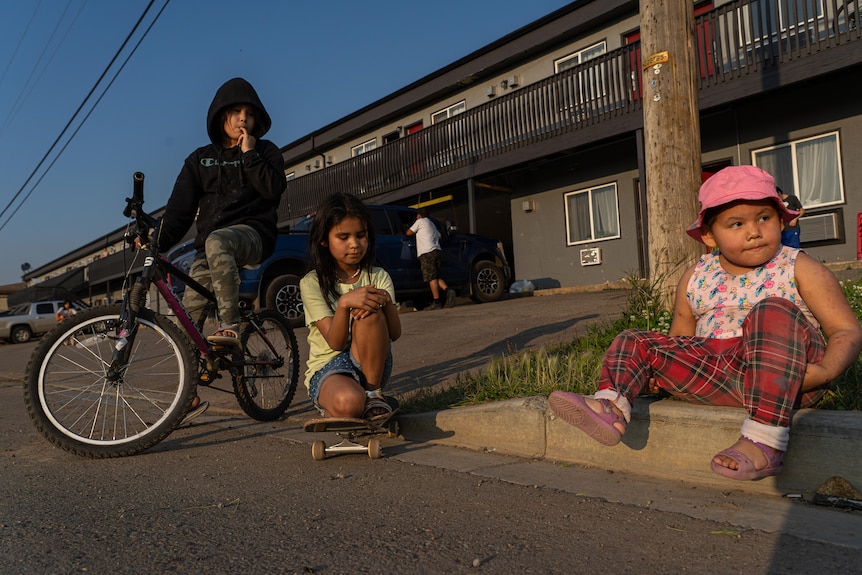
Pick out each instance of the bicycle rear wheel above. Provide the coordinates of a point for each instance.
(73, 403)
(270, 367)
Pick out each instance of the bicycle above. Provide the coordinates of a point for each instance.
(116, 380)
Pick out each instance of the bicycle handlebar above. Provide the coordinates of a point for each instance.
(133, 204)
(134, 209)
(138, 189)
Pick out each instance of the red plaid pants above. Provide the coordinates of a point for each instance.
(762, 370)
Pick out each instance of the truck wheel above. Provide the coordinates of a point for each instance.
(488, 282)
(283, 296)
(21, 334)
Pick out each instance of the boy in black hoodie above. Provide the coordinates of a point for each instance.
(233, 186)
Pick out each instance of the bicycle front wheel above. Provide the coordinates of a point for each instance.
(76, 406)
(270, 367)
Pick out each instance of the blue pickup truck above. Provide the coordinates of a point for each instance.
(473, 265)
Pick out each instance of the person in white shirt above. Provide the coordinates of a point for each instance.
(428, 250)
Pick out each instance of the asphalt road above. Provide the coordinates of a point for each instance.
(231, 495)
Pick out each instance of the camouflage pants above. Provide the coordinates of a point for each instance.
(217, 269)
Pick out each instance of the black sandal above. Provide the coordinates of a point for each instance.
(376, 408)
(197, 410)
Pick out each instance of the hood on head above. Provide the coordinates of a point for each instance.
(232, 92)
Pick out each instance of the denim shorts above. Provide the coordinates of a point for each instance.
(344, 363)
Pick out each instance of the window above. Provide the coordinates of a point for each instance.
(391, 136)
(584, 95)
(791, 15)
(381, 222)
(580, 56)
(406, 218)
(445, 113)
(809, 169)
(44, 308)
(793, 23)
(363, 147)
(592, 214)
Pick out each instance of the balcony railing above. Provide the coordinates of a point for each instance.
(747, 36)
(737, 39)
(580, 96)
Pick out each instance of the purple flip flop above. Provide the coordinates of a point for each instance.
(573, 409)
(746, 471)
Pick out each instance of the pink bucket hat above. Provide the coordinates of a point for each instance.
(737, 183)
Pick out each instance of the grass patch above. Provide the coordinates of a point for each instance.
(575, 366)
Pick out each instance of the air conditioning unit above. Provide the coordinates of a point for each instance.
(819, 227)
(491, 91)
(591, 256)
(513, 81)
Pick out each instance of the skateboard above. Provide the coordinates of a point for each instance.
(349, 429)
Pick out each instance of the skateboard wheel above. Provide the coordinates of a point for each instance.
(393, 429)
(374, 448)
(318, 451)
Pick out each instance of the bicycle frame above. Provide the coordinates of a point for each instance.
(155, 270)
(191, 328)
(135, 295)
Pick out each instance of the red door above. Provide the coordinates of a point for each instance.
(416, 149)
(635, 63)
(703, 41)
(703, 38)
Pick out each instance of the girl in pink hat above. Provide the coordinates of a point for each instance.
(748, 331)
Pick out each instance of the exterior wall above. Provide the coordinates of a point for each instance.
(80, 262)
(734, 133)
(539, 236)
(728, 135)
(612, 35)
(475, 95)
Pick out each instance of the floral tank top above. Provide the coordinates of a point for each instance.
(721, 301)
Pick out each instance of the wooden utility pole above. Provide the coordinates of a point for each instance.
(671, 136)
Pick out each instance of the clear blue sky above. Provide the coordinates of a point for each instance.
(312, 63)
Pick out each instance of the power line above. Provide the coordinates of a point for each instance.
(80, 107)
(81, 125)
(20, 41)
(22, 96)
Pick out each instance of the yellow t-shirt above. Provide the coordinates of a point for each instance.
(317, 308)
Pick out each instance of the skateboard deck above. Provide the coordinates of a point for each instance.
(350, 429)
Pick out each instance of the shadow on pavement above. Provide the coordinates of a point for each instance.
(453, 365)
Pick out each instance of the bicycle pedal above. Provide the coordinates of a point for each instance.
(207, 378)
(217, 347)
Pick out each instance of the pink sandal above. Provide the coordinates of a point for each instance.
(746, 471)
(573, 409)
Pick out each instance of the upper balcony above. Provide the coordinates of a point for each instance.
(744, 48)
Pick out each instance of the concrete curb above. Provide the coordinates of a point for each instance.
(666, 438)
